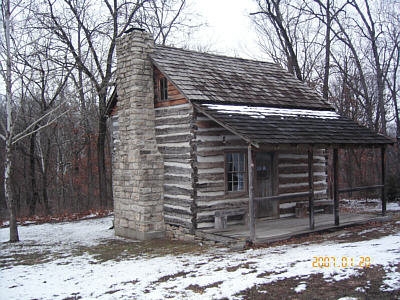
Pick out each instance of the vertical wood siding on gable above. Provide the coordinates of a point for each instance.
(174, 96)
(173, 135)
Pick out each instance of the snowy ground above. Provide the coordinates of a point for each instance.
(369, 205)
(84, 259)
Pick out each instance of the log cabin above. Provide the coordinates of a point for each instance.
(205, 141)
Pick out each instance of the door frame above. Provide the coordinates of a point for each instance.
(274, 176)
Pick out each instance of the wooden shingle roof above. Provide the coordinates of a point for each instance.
(263, 125)
(214, 78)
(258, 101)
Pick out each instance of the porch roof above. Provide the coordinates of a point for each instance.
(269, 125)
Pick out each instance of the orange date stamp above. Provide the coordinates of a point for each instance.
(341, 262)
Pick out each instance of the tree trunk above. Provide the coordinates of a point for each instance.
(8, 193)
(101, 161)
(101, 141)
(110, 201)
(44, 180)
(325, 88)
(45, 195)
(33, 198)
(89, 170)
(9, 127)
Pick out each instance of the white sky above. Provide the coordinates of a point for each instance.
(229, 28)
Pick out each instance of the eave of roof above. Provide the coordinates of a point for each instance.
(270, 126)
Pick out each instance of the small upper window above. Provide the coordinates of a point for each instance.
(163, 89)
(235, 171)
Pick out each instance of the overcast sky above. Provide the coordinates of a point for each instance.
(229, 31)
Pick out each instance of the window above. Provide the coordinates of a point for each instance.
(235, 171)
(163, 89)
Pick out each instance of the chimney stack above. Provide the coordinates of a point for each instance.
(138, 166)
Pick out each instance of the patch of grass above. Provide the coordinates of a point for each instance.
(201, 289)
(364, 286)
(168, 277)
(111, 292)
(74, 296)
(243, 265)
(118, 250)
(25, 259)
(29, 253)
(267, 274)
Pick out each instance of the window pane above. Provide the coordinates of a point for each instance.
(235, 171)
(241, 181)
(237, 161)
(229, 162)
(241, 163)
(163, 88)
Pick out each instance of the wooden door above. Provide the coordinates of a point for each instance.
(263, 186)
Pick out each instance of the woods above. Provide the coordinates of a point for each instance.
(349, 51)
(58, 65)
(58, 68)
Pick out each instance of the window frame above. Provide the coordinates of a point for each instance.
(163, 89)
(244, 191)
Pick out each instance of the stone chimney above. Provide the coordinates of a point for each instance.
(138, 166)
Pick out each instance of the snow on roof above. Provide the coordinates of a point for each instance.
(262, 112)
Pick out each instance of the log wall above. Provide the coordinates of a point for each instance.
(293, 177)
(212, 140)
(174, 136)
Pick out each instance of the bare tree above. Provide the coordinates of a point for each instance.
(284, 27)
(325, 12)
(100, 30)
(6, 15)
(89, 30)
(370, 30)
(15, 17)
(167, 20)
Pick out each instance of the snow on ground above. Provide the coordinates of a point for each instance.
(301, 287)
(62, 236)
(222, 271)
(369, 205)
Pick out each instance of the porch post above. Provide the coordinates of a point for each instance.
(383, 158)
(311, 187)
(250, 168)
(336, 186)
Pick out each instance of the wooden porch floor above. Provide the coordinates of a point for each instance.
(285, 228)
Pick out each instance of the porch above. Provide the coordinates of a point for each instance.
(271, 130)
(271, 230)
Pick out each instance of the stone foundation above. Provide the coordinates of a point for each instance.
(181, 234)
